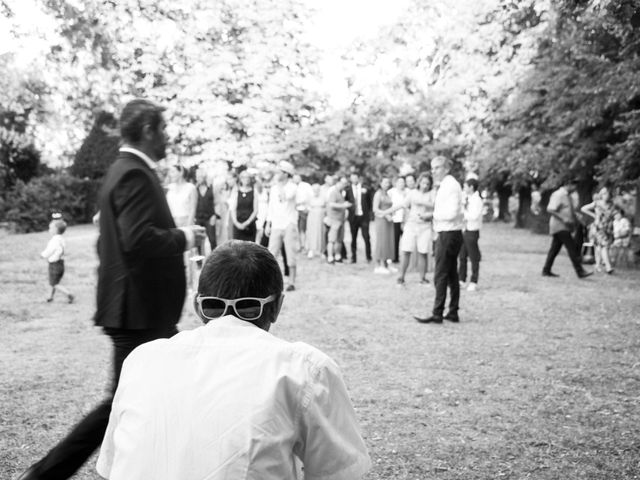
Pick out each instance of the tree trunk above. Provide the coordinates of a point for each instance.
(523, 217)
(504, 193)
(540, 222)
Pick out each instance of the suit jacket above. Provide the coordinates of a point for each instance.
(365, 199)
(141, 277)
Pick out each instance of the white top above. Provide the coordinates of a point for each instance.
(229, 400)
(282, 206)
(447, 213)
(419, 204)
(54, 250)
(182, 199)
(303, 196)
(473, 212)
(398, 197)
(357, 191)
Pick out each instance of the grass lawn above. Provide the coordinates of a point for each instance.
(540, 380)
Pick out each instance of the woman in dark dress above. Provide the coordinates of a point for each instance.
(244, 209)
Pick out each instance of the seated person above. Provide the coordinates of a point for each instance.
(229, 400)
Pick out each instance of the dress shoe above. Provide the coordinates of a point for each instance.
(584, 274)
(290, 288)
(452, 317)
(431, 319)
(549, 274)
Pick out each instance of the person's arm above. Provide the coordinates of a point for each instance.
(233, 212)
(135, 205)
(331, 444)
(193, 204)
(52, 248)
(588, 209)
(254, 212)
(376, 205)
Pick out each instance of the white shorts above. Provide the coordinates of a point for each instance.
(290, 238)
(417, 236)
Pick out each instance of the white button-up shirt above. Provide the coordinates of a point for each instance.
(447, 212)
(229, 400)
(473, 212)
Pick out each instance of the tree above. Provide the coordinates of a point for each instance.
(99, 148)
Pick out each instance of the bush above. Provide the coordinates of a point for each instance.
(99, 148)
(19, 159)
(30, 205)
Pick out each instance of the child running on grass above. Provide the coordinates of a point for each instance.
(54, 254)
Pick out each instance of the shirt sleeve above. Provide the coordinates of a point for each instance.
(53, 247)
(333, 448)
(554, 202)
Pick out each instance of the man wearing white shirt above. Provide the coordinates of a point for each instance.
(229, 400)
(303, 200)
(282, 218)
(473, 222)
(447, 223)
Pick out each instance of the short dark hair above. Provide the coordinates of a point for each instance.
(135, 115)
(473, 183)
(241, 269)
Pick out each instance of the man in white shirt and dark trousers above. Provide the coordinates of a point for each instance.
(447, 223)
(282, 219)
(229, 400)
(473, 221)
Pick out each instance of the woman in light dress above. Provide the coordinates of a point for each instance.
(315, 225)
(383, 226)
(182, 196)
(602, 211)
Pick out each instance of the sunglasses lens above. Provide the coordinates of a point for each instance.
(212, 308)
(248, 309)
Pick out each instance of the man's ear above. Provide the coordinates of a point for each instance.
(276, 312)
(196, 309)
(147, 132)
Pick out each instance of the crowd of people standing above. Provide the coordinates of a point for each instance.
(278, 208)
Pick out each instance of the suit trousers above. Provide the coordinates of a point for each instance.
(448, 247)
(71, 452)
(359, 222)
(557, 240)
(471, 251)
(397, 233)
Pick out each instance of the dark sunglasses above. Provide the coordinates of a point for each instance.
(247, 308)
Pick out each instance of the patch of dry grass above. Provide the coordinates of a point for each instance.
(540, 380)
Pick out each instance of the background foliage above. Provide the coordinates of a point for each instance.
(524, 92)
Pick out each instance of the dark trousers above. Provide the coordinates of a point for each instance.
(359, 222)
(448, 247)
(557, 240)
(72, 451)
(397, 233)
(471, 251)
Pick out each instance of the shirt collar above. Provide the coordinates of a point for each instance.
(143, 156)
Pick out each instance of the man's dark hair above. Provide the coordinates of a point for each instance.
(135, 115)
(241, 269)
(473, 183)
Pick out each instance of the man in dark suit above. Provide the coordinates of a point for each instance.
(360, 213)
(141, 277)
